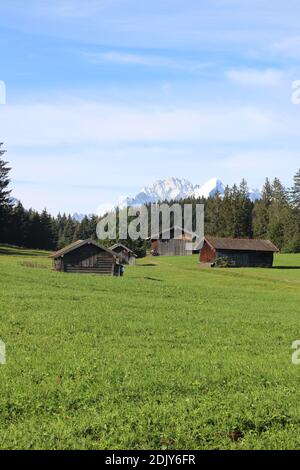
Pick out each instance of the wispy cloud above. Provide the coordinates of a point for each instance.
(270, 162)
(288, 46)
(256, 77)
(147, 60)
(131, 59)
(82, 122)
(72, 9)
(168, 82)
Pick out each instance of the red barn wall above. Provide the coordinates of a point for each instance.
(207, 254)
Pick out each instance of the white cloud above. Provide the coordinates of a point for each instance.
(147, 60)
(65, 9)
(256, 77)
(54, 124)
(131, 59)
(289, 46)
(269, 163)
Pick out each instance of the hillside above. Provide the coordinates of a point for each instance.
(170, 356)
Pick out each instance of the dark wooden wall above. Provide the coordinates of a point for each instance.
(241, 258)
(87, 259)
(125, 256)
(248, 258)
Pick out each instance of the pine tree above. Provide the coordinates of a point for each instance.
(227, 214)
(277, 214)
(295, 193)
(267, 193)
(214, 222)
(83, 230)
(18, 225)
(244, 208)
(279, 192)
(48, 236)
(291, 239)
(4, 196)
(260, 218)
(69, 231)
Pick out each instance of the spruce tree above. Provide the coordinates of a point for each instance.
(18, 225)
(4, 196)
(68, 235)
(260, 219)
(244, 208)
(267, 193)
(277, 214)
(279, 192)
(261, 212)
(295, 193)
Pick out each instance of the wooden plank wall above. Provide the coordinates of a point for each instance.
(248, 258)
(89, 260)
(173, 247)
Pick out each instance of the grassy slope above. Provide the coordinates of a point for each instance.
(170, 356)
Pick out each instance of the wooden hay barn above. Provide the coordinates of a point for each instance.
(243, 252)
(86, 257)
(172, 243)
(125, 254)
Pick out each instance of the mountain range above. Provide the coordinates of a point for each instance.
(173, 189)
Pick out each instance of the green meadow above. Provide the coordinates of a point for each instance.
(171, 356)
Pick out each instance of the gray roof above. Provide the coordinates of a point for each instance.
(166, 232)
(241, 244)
(120, 245)
(79, 243)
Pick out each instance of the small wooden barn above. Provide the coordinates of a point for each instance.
(173, 242)
(243, 252)
(125, 254)
(87, 257)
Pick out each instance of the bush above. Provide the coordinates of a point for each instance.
(224, 262)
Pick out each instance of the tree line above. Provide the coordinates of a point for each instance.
(276, 216)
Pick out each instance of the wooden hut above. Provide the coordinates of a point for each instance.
(125, 254)
(243, 252)
(173, 242)
(87, 257)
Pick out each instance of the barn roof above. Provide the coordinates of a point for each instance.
(166, 233)
(78, 244)
(241, 244)
(117, 245)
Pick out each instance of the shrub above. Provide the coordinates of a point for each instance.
(224, 262)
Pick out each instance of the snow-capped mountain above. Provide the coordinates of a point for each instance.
(162, 190)
(79, 217)
(173, 189)
(254, 194)
(209, 189)
(13, 201)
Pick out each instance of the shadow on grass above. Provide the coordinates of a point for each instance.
(20, 252)
(146, 265)
(286, 267)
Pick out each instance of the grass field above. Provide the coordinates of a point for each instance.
(171, 356)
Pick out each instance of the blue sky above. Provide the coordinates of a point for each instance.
(106, 96)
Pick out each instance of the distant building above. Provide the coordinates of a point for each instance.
(173, 242)
(125, 254)
(243, 252)
(87, 257)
